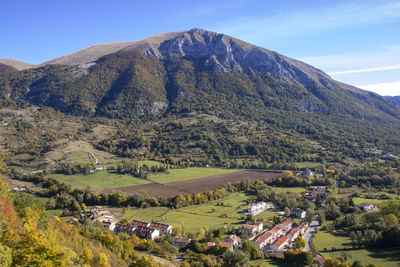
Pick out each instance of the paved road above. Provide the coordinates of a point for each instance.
(315, 223)
(310, 233)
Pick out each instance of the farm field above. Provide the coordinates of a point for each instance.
(191, 219)
(323, 239)
(176, 175)
(195, 185)
(101, 180)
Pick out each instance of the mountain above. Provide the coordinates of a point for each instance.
(395, 99)
(19, 65)
(190, 71)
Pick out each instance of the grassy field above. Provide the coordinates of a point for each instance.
(327, 240)
(289, 189)
(210, 215)
(99, 180)
(109, 179)
(358, 200)
(383, 257)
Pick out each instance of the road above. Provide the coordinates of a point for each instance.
(309, 234)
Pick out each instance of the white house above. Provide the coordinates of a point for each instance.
(276, 231)
(259, 225)
(263, 240)
(295, 233)
(302, 227)
(298, 213)
(249, 229)
(369, 206)
(180, 242)
(161, 227)
(146, 232)
(257, 208)
(286, 225)
(280, 243)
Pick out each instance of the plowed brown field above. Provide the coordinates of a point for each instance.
(195, 185)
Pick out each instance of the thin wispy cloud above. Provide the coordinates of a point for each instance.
(365, 70)
(383, 56)
(391, 89)
(278, 24)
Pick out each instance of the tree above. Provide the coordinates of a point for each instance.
(235, 259)
(357, 264)
(251, 250)
(5, 256)
(287, 212)
(300, 242)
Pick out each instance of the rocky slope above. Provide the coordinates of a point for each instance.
(192, 71)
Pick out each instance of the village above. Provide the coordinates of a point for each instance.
(278, 238)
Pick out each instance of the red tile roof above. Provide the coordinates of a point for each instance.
(261, 238)
(226, 244)
(275, 229)
(139, 223)
(281, 240)
(159, 225)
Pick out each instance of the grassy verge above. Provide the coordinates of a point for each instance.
(340, 246)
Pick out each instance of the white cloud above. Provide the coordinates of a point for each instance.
(383, 56)
(392, 89)
(365, 70)
(281, 23)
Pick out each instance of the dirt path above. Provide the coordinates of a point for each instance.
(195, 185)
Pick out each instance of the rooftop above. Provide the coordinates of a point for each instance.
(261, 238)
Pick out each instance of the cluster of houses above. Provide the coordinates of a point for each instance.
(274, 239)
(279, 236)
(317, 191)
(141, 229)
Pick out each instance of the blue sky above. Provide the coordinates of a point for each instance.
(357, 42)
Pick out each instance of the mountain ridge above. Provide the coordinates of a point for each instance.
(188, 71)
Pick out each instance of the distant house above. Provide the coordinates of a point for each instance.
(110, 224)
(236, 241)
(161, 227)
(298, 213)
(73, 220)
(295, 233)
(97, 212)
(226, 245)
(303, 226)
(120, 228)
(249, 229)
(180, 242)
(258, 225)
(146, 232)
(263, 240)
(276, 231)
(286, 225)
(136, 223)
(368, 206)
(210, 245)
(257, 208)
(307, 173)
(280, 243)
